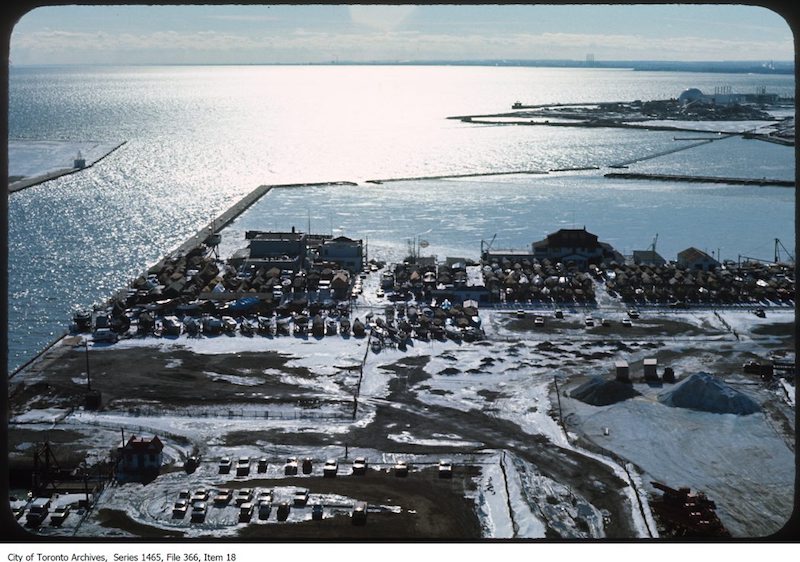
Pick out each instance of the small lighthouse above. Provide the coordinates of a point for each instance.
(80, 162)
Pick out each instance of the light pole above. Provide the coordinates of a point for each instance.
(88, 376)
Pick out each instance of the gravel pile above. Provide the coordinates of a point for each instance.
(702, 391)
(600, 392)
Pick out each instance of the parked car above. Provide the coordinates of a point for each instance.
(359, 513)
(243, 466)
(223, 497)
(264, 509)
(290, 468)
(633, 313)
(105, 335)
(225, 465)
(262, 465)
(60, 513)
(39, 510)
(245, 512)
(180, 508)
(360, 465)
(330, 468)
(559, 313)
(307, 465)
(401, 468)
(243, 496)
(445, 469)
(184, 494)
(626, 322)
(283, 511)
(300, 497)
(538, 321)
(199, 512)
(200, 495)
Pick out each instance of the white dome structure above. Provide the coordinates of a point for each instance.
(689, 95)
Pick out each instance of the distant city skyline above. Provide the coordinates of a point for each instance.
(263, 34)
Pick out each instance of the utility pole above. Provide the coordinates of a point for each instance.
(558, 396)
(88, 376)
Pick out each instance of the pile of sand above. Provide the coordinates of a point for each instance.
(600, 392)
(702, 391)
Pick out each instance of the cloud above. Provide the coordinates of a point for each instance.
(244, 18)
(56, 46)
(380, 17)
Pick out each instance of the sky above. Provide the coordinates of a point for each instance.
(263, 34)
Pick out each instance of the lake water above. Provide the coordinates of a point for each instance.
(198, 138)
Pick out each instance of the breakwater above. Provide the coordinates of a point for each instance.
(25, 183)
(448, 176)
(598, 123)
(699, 179)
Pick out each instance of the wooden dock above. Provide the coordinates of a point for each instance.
(699, 179)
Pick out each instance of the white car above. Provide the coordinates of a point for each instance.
(330, 468)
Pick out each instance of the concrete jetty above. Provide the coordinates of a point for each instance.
(598, 123)
(25, 183)
(699, 179)
(448, 176)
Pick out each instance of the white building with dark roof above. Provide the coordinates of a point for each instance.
(139, 457)
(344, 251)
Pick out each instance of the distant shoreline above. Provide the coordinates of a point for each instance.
(713, 67)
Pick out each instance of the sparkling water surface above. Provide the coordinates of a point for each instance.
(198, 138)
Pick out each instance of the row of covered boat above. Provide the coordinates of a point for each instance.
(747, 283)
(270, 325)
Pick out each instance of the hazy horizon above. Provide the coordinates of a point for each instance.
(359, 34)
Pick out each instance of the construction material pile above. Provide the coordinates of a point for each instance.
(600, 392)
(703, 391)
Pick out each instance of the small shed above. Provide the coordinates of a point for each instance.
(139, 457)
(650, 369)
(623, 371)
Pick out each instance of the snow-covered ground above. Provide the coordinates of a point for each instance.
(508, 376)
(739, 461)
